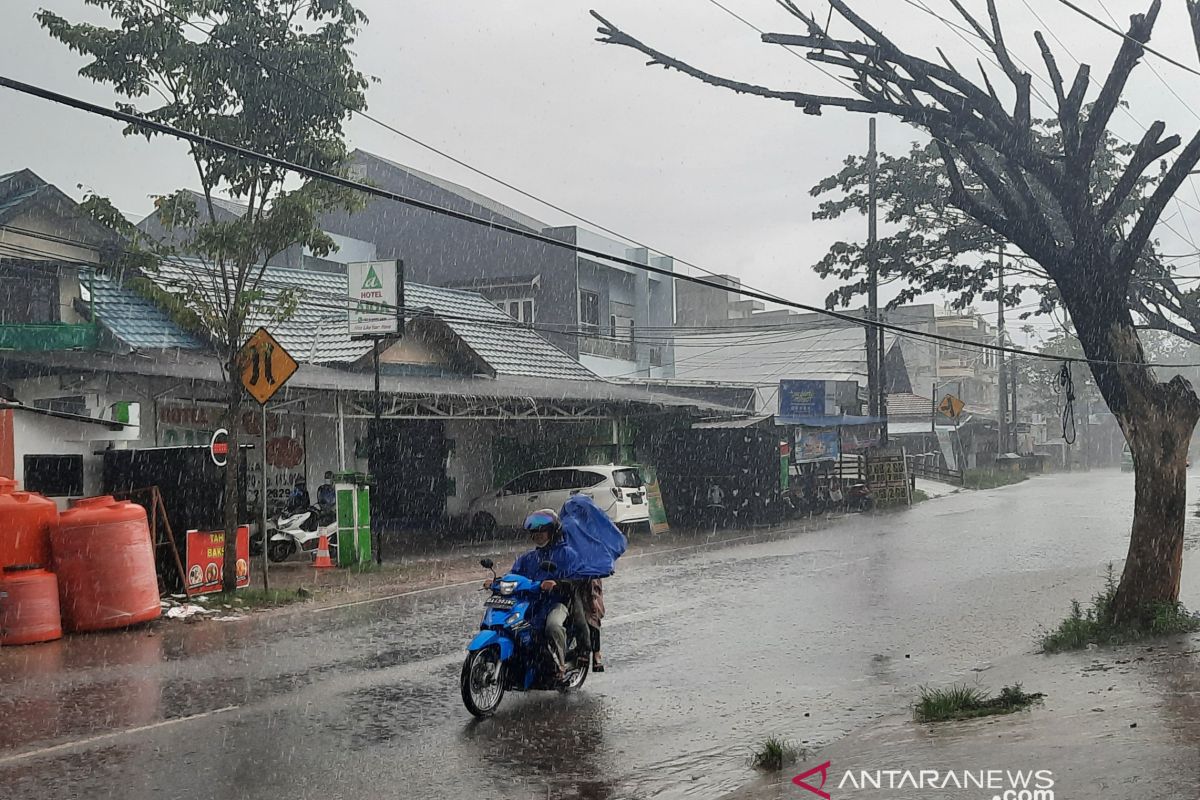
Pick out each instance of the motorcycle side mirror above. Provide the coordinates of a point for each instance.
(549, 566)
(486, 563)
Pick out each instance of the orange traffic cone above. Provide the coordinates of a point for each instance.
(322, 560)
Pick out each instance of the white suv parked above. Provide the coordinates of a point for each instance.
(619, 491)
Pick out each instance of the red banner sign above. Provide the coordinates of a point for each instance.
(206, 555)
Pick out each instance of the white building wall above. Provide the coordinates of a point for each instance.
(470, 462)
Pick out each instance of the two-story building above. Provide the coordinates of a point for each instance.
(589, 306)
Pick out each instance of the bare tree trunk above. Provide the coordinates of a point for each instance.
(232, 484)
(1154, 563)
(1157, 420)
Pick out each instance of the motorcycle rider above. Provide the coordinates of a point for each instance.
(546, 533)
(298, 500)
(327, 492)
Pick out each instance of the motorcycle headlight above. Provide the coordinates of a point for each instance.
(513, 618)
(508, 587)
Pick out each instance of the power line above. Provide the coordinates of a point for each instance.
(139, 121)
(1124, 35)
(431, 148)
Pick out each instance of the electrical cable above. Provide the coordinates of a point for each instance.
(431, 148)
(143, 122)
(1066, 388)
(1126, 36)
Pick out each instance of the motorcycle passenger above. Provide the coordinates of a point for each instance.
(546, 533)
(298, 500)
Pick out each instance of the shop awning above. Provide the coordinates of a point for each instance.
(828, 421)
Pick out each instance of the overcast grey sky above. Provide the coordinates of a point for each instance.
(519, 88)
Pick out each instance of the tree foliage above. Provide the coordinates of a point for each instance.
(233, 70)
(273, 76)
(934, 247)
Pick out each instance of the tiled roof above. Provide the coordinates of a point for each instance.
(904, 404)
(132, 319)
(317, 332)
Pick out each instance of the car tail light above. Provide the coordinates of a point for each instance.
(617, 494)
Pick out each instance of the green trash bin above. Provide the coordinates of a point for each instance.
(347, 521)
(362, 537)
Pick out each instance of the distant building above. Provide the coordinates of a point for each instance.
(590, 307)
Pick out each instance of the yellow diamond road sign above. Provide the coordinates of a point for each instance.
(951, 406)
(265, 365)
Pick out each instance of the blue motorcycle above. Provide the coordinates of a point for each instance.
(509, 653)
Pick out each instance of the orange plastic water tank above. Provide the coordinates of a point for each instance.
(104, 561)
(26, 520)
(28, 606)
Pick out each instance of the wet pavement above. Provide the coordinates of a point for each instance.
(822, 636)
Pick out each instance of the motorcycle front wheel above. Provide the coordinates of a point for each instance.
(280, 550)
(482, 681)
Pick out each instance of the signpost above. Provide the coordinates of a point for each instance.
(654, 503)
(266, 366)
(218, 447)
(376, 311)
(951, 407)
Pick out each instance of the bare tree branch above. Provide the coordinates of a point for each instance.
(811, 103)
(1166, 189)
(1102, 110)
(1149, 150)
(1056, 79)
(1193, 9)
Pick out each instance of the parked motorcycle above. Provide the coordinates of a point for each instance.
(859, 497)
(300, 531)
(508, 654)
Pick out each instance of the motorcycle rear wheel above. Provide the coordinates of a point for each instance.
(482, 681)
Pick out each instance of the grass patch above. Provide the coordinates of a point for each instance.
(774, 754)
(991, 478)
(918, 496)
(960, 702)
(249, 598)
(1095, 624)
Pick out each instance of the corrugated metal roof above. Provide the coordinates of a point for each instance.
(764, 357)
(135, 321)
(317, 333)
(206, 368)
(734, 424)
(360, 157)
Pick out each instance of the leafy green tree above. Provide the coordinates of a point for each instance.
(1044, 189)
(233, 70)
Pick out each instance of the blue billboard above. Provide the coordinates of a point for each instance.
(799, 398)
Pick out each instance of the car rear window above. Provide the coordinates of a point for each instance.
(628, 479)
(585, 479)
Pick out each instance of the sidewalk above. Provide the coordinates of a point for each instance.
(1115, 723)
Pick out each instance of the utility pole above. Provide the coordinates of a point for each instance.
(1013, 374)
(874, 340)
(1003, 393)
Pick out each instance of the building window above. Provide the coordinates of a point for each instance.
(54, 476)
(520, 309)
(589, 311)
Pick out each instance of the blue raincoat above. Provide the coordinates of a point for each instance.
(593, 536)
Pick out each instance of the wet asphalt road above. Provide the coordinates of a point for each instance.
(808, 634)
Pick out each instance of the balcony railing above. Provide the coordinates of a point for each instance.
(607, 347)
